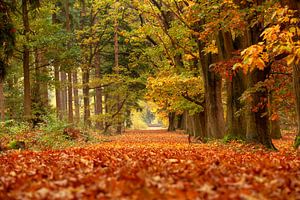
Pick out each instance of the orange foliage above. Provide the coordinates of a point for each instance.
(152, 165)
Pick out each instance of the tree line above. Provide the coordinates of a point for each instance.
(214, 68)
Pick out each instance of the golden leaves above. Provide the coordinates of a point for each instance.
(253, 57)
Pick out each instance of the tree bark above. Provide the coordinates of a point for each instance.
(86, 97)
(235, 125)
(172, 121)
(98, 93)
(70, 95)
(57, 82)
(26, 58)
(70, 98)
(215, 124)
(258, 120)
(76, 97)
(57, 93)
(258, 117)
(44, 85)
(2, 100)
(64, 103)
(116, 55)
(275, 131)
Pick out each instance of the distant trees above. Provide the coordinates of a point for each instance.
(210, 66)
(74, 54)
(212, 35)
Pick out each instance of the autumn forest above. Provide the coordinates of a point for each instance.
(149, 99)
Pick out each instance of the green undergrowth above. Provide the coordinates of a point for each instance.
(49, 135)
(228, 138)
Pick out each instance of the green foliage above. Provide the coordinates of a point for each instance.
(14, 127)
(15, 144)
(229, 137)
(53, 140)
(53, 124)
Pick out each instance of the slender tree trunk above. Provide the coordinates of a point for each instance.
(36, 88)
(2, 105)
(58, 93)
(44, 84)
(26, 70)
(70, 98)
(98, 93)
(57, 82)
(64, 105)
(106, 111)
(116, 52)
(76, 98)
(86, 97)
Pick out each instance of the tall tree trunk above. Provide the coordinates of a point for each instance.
(36, 88)
(116, 55)
(70, 98)
(98, 93)
(235, 124)
(26, 70)
(258, 120)
(64, 104)
(76, 97)
(106, 111)
(2, 105)
(57, 93)
(44, 85)
(86, 97)
(57, 82)
(215, 124)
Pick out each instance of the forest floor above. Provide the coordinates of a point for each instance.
(153, 164)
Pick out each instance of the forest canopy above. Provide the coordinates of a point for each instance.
(214, 69)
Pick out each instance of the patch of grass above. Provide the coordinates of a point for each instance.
(13, 127)
(52, 124)
(228, 138)
(52, 140)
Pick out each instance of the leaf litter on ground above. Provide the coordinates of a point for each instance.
(153, 165)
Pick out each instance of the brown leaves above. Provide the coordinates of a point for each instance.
(155, 165)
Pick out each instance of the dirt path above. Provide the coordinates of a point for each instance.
(152, 165)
